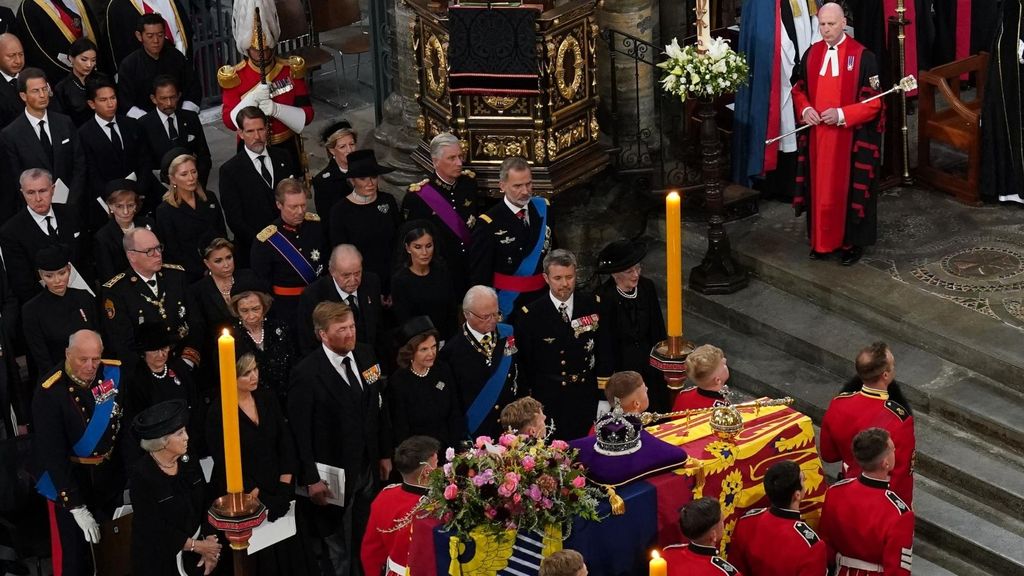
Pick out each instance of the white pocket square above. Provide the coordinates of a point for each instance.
(191, 137)
(76, 234)
(66, 140)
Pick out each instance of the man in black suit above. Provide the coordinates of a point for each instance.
(12, 60)
(557, 336)
(510, 241)
(114, 148)
(42, 223)
(248, 181)
(167, 127)
(346, 283)
(475, 356)
(41, 139)
(339, 419)
(155, 57)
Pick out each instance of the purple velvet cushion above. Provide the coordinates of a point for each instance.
(654, 454)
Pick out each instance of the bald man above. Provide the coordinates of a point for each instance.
(12, 60)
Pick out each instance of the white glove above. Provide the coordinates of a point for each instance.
(260, 94)
(87, 523)
(269, 107)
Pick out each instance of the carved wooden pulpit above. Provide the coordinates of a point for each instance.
(554, 127)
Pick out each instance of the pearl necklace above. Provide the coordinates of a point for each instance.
(226, 293)
(423, 375)
(161, 376)
(258, 341)
(631, 294)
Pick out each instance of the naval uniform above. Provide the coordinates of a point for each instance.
(129, 302)
(286, 284)
(776, 542)
(462, 197)
(77, 468)
(696, 560)
(557, 359)
(472, 364)
(384, 544)
(868, 528)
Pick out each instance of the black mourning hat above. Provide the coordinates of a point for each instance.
(363, 163)
(248, 283)
(332, 128)
(51, 258)
(165, 162)
(414, 327)
(620, 255)
(120, 184)
(161, 419)
(152, 336)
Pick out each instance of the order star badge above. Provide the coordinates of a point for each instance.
(314, 255)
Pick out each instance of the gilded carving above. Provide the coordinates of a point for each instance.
(595, 128)
(435, 68)
(569, 45)
(567, 137)
(538, 147)
(500, 103)
(501, 147)
(421, 125)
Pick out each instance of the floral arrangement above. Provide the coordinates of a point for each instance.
(720, 70)
(516, 483)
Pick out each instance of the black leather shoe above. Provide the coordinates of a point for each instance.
(817, 255)
(852, 256)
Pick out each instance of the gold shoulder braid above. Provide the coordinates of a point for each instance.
(227, 77)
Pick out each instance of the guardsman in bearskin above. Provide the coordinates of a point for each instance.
(775, 541)
(290, 253)
(557, 336)
(283, 96)
(701, 523)
(482, 358)
(510, 240)
(872, 399)
(77, 419)
(448, 200)
(48, 27)
(869, 529)
(149, 291)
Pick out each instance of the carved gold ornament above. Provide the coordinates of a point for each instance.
(435, 68)
(538, 147)
(569, 44)
(500, 103)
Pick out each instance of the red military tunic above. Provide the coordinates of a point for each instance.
(831, 146)
(775, 542)
(694, 397)
(696, 560)
(870, 526)
(239, 80)
(852, 412)
(383, 545)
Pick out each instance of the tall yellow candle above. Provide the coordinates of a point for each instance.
(674, 263)
(229, 413)
(658, 566)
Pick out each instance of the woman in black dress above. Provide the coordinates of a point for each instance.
(170, 534)
(368, 219)
(331, 184)
(631, 318)
(421, 393)
(423, 286)
(188, 218)
(51, 316)
(123, 200)
(267, 339)
(69, 93)
(269, 462)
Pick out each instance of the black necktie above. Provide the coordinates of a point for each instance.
(115, 139)
(152, 284)
(51, 230)
(265, 171)
(13, 82)
(563, 309)
(171, 130)
(44, 139)
(350, 374)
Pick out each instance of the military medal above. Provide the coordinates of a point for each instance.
(584, 324)
(314, 255)
(849, 63)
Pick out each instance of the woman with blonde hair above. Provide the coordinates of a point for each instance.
(331, 184)
(188, 218)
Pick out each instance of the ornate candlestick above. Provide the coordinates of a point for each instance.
(236, 515)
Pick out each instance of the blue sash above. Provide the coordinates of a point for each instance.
(292, 256)
(492, 388)
(94, 431)
(507, 298)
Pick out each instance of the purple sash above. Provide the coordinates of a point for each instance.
(445, 211)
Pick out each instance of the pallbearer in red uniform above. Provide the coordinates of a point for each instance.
(868, 528)
(873, 399)
(707, 370)
(775, 541)
(386, 541)
(701, 522)
(285, 97)
(842, 150)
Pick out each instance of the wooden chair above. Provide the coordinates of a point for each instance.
(339, 22)
(957, 125)
(299, 37)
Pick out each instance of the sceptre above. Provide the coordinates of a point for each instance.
(905, 85)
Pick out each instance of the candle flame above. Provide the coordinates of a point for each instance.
(655, 555)
(225, 332)
(673, 194)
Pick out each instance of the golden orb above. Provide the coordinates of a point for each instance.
(726, 421)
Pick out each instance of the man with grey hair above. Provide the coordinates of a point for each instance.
(449, 201)
(77, 419)
(511, 239)
(345, 282)
(557, 337)
(482, 358)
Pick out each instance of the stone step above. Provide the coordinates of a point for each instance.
(930, 560)
(813, 334)
(760, 369)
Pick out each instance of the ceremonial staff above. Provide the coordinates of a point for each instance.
(905, 85)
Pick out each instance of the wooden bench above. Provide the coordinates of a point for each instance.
(956, 125)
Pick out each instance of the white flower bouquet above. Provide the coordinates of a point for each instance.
(720, 70)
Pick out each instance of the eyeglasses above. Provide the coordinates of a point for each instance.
(491, 316)
(155, 250)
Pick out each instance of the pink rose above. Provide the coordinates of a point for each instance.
(490, 513)
(451, 491)
(579, 481)
(448, 469)
(546, 503)
(559, 444)
(528, 463)
(517, 497)
(507, 440)
(481, 441)
(534, 493)
(449, 454)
